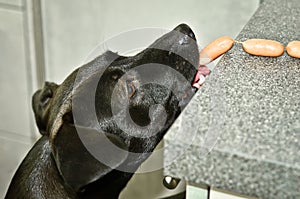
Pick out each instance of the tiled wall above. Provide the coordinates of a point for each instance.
(16, 119)
(15, 97)
(11, 2)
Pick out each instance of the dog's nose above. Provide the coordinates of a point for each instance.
(185, 29)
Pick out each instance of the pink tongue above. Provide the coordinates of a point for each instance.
(204, 70)
(200, 76)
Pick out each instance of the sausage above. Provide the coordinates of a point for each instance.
(215, 49)
(263, 47)
(293, 49)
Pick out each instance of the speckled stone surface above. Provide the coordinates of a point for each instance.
(241, 132)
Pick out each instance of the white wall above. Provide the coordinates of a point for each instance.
(15, 102)
(16, 118)
(74, 27)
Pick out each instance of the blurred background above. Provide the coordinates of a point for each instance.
(46, 40)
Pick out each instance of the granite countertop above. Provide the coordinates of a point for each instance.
(241, 131)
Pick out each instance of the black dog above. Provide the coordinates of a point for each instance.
(96, 100)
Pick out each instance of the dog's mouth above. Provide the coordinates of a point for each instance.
(202, 70)
(185, 45)
(202, 73)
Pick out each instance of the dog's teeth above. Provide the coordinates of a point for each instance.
(196, 85)
(201, 80)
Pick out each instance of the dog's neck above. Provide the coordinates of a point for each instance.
(38, 176)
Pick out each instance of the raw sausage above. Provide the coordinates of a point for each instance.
(263, 47)
(215, 49)
(293, 49)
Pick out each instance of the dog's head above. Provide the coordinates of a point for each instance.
(131, 100)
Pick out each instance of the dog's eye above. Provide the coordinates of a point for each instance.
(130, 89)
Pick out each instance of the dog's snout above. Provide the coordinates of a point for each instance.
(186, 30)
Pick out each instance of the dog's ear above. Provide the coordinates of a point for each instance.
(41, 103)
(84, 155)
